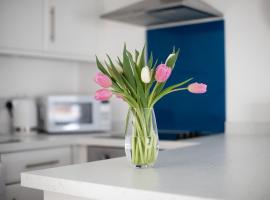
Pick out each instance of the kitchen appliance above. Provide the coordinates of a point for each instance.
(156, 12)
(62, 114)
(24, 115)
(5, 118)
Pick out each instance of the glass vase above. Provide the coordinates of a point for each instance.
(141, 140)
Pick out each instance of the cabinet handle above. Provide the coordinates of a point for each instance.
(52, 24)
(41, 164)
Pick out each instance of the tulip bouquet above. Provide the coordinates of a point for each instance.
(141, 84)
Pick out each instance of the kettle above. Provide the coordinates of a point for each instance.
(24, 115)
(5, 118)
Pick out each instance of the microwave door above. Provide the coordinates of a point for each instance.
(87, 121)
(71, 116)
(64, 116)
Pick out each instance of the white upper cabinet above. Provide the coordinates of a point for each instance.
(21, 24)
(49, 28)
(71, 27)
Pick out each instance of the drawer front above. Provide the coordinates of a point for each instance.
(102, 153)
(15, 163)
(16, 192)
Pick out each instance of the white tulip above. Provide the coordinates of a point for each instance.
(146, 75)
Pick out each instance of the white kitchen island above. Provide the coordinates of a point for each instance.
(220, 167)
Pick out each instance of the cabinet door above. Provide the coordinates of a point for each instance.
(17, 162)
(72, 26)
(17, 192)
(103, 153)
(21, 24)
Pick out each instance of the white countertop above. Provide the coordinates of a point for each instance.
(220, 167)
(39, 141)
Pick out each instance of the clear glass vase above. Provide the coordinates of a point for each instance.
(141, 140)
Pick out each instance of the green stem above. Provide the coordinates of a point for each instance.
(152, 94)
(143, 138)
(141, 151)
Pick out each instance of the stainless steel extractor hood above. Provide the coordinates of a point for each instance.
(155, 12)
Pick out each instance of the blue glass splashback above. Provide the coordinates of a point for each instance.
(202, 57)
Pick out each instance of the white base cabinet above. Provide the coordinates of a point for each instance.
(16, 192)
(16, 162)
(104, 153)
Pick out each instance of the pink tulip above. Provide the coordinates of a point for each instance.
(162, 73)
(197, 88)
(103, 80)
(103, 94)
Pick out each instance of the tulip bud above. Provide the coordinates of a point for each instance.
(146, 75)
(119, 69)
(171, 59)
(197, 88)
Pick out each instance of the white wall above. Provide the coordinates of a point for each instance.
(30, 76)
(248, 65)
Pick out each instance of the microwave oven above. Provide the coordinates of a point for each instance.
(62, 114)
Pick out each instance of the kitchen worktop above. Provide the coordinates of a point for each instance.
(219, 167)
(36, 141)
